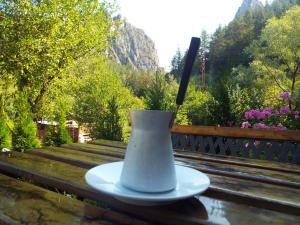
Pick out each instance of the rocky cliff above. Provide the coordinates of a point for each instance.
(133, 47)
(246, 5)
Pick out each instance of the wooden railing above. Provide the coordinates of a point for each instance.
(274, 145)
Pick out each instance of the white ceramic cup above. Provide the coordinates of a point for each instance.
(149, 161)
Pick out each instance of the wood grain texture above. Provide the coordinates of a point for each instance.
(234, 184)
(199, 210)
(212, 167)
(23, 203)
(247, 163)
(288, 135)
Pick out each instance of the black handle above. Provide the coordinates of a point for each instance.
(190, 58)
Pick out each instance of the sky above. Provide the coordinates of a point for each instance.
(172, 23)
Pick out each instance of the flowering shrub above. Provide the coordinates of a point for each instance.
(280, 119)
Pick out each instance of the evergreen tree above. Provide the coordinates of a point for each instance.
(177, 64)
(63, 136)
(113, 128)
(155, 98)
(5, 135)
(25, 130)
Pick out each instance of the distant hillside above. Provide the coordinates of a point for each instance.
(246, 6)
(133, 47)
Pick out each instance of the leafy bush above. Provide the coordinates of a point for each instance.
(199, 106)
(51, 137)
(242, 100)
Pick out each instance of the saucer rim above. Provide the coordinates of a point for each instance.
(149, 197)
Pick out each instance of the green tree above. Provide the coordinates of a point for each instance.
(111, 128)
(177, 64)
(199, 106)
(5, 134)
(25, 130)
(156, 94)
(137, 81)
(204, 51)
(62, 132)
(277, 53)
(39, 39)
(99, 94)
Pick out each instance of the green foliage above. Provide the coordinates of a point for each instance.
(178, 60)
(57, 135)
(177, 64)
(242, 100)
(199, 106)
(98, 94)
(111, 127)
(5, 134)
(62, 133)
(222, 112)
(51, 137)
(277, 52)
(40, 39)
(161, 95)
(137, 81)
(228, 44)
(25, 130)
(156, 94)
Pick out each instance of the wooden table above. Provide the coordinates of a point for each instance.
(46, 186)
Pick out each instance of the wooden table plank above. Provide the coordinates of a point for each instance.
(96, 147)
(97, 158)
(218, 168)
(232, 186)
(237, 171)
(24, 203)
(202, 210)
(221, 168)
(104, 142)
(247, 162)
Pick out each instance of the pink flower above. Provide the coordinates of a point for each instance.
(280, 127)
(248, 115)
(284, 110)
(267, 111)
(285, 95)
(260, 126)
(246, 124)
(260, 115)
(296, 114)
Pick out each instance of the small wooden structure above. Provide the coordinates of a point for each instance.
(71, 126)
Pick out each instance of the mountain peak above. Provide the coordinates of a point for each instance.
(133, 47)
(247, 5)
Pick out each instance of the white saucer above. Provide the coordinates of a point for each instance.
(105, 178)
